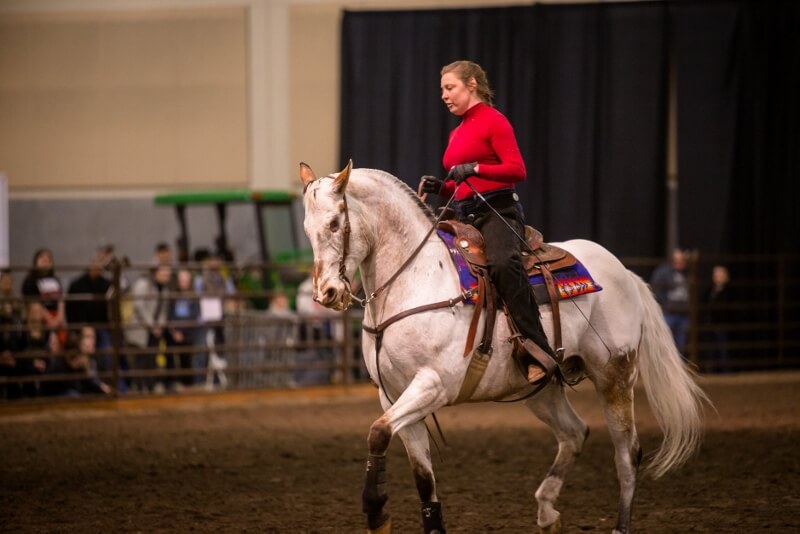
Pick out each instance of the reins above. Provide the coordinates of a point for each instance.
(363, 302)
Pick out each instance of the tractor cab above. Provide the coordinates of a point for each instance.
(282, 253)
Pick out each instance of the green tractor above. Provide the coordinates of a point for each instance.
(285, 261)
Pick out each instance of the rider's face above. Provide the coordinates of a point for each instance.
(456, 95)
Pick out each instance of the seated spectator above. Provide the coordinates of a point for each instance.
(42, 283)
(78, 376)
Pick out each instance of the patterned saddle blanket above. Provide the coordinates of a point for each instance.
(571, 277)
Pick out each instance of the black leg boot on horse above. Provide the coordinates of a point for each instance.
(504, 258)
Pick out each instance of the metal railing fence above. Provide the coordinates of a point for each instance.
(247, 348)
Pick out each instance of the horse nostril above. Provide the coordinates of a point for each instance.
(330, 293)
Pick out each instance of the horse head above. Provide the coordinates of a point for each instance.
(327, 224)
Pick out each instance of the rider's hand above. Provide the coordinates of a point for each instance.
(459, 173)
(431, 184)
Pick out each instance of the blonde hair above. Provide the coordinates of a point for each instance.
(468, 69)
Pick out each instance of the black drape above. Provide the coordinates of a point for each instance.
(738, 71)
(597, 160)
(585, 87)
(581, 84)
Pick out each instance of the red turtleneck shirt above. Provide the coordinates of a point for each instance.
(485, 136)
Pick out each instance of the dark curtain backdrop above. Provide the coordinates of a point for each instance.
(738, 71)
(581, 84)
(585, 88)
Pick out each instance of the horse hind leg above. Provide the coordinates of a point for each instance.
(554, 409)
(616, 393)
(423, 396)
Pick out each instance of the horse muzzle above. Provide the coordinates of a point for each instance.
(335, 297)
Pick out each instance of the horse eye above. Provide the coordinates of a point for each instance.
(334, 226)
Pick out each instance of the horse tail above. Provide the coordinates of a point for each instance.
(674, 397)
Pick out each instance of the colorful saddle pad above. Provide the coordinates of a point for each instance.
(570, 281)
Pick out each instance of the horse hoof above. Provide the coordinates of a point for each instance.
(552, 528)
(385, 528)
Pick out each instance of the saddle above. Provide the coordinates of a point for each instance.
(470, 243)
(541, 259)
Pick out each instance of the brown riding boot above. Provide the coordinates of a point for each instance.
(535, 373)
(543, 366)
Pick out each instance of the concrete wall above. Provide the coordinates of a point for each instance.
(292, 115)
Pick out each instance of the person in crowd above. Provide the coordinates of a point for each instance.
(315, 327)
(42, 284)
(216, 290)
(717, 318)
(483, 155)
(11, 305)
(250, 283)
(147, 331)
(74, 367)
(185, 310)
(12, 319)
(36, 346)
(670, 283)
(162, 255)
(90, 306)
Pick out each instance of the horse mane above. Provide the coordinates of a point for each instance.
(404, 187)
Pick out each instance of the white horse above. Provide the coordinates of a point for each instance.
(369, 220)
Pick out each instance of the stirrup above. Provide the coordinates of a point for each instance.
(535, 374)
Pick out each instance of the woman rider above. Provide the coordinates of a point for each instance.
(483, 150)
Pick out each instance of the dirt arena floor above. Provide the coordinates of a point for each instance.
(293, 461)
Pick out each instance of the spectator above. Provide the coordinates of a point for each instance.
(186, 309)
(249, 284)
(38, 343)
(717, 318)
(671, 287)
(215, 289)
(162, 254)
(315, 328)
(11, 306)
(11, 334)
(92, 284)
(75, 366)
(150, 295)
(42, 284)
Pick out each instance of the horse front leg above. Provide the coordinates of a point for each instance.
(424, 395)
(554, 409)
(415, 440)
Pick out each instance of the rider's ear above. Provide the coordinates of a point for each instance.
(340, 183)
(306, 174)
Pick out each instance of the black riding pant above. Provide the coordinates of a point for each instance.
(504, 258)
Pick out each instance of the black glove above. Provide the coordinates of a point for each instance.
(431, 184)
(459, 173)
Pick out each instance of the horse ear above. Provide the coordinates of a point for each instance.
(306, 174)
(340, 183)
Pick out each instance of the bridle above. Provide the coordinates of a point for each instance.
(346, 230)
